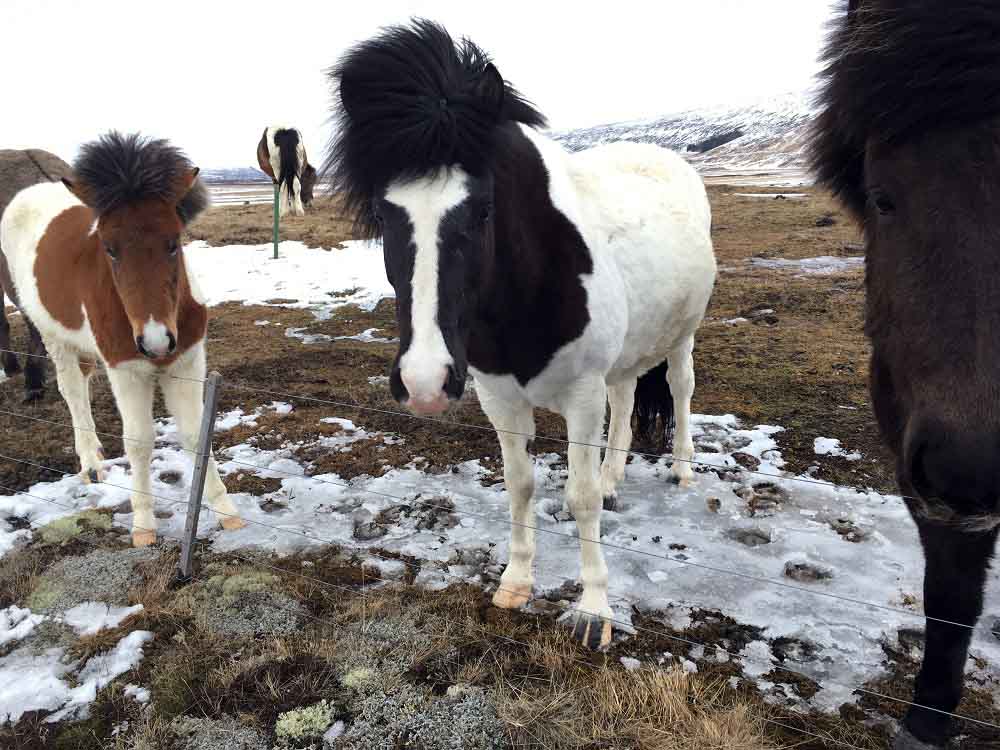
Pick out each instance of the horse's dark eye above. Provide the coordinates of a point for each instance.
(884, 204)
(486, 213)
(112, 252)
(172, 248)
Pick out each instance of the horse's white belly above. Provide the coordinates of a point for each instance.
(24, 222)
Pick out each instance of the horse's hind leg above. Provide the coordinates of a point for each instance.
(680, 376)
(34, 366)
(622, 398)
(73, 376)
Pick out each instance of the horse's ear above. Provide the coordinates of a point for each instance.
(76, 189)
(192, 197)
(491, 89)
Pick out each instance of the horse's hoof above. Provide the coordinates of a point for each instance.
(35, 394)
(231, 523)
(593, 631)
(93, 476)
(143, 538)
(611, 502)
(512, 596)
(10, 369)
(906, 741)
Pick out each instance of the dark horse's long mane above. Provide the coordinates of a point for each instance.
(410, 102)
(895, 69)
(118, 170)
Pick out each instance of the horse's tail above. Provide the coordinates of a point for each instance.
(287, 141)
(653, 401)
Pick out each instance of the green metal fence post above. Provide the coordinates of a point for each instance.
(276, 221)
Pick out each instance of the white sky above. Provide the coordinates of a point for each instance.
(211, 74)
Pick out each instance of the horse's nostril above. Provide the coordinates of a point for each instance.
(171, 343)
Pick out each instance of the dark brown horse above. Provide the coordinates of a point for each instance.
(909, 139)
(20, 169)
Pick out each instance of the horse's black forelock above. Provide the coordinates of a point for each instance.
(117, 170)
(897, 69)
(417, 105)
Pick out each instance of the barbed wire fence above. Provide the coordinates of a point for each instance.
(214, 383)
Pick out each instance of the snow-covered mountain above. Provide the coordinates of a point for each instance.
(234, 174)
(764, 134)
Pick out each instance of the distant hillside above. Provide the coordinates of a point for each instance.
(766, 134)
(234, 174)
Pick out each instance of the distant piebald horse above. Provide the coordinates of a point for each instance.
(908, 138)
(97, 266)
(281, 155)
(558, 280)
(20, 169)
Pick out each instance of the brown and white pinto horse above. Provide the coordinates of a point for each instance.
(97, 266)
(281, 155)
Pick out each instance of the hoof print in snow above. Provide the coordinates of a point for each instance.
(750, 537)
(763, 498)
(169, 477)
(366, 528)
(748, 462)
(806, 572)
(848, 530)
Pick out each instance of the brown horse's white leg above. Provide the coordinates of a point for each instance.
(519, 475)
(583, 408)
(133, 389)
(680, 375)
(74, 385)
(621, 396)
(184, 401)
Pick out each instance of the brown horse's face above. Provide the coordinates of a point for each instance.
(142, 242)
(932, 227)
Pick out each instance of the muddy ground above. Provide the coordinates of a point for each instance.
(797, 359)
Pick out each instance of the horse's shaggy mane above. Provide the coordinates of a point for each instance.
(117, 170)
(896, 69)
(410, 102)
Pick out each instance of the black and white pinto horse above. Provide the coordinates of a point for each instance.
(281, 155)
(557, 280)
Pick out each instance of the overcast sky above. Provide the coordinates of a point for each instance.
(211, 74)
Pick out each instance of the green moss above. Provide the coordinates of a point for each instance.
(358, 678)
(45, 594)
(62, 530)
(304, 723)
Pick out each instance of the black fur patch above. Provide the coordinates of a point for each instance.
(895, 70)
(117, 170)
(654, 403)
(409, 102)
(287, 141)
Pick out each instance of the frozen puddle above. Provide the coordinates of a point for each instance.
(823, 265)
(858, 545)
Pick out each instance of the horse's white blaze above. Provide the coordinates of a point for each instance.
(155, 337)
(424, 365)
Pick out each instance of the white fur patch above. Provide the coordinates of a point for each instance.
(155, 338)
(426, 201)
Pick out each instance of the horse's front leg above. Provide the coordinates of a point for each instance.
(954, 580)
(183, 397)
(73, 378)
(583, 408)
(133, 390)
(515, 425)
